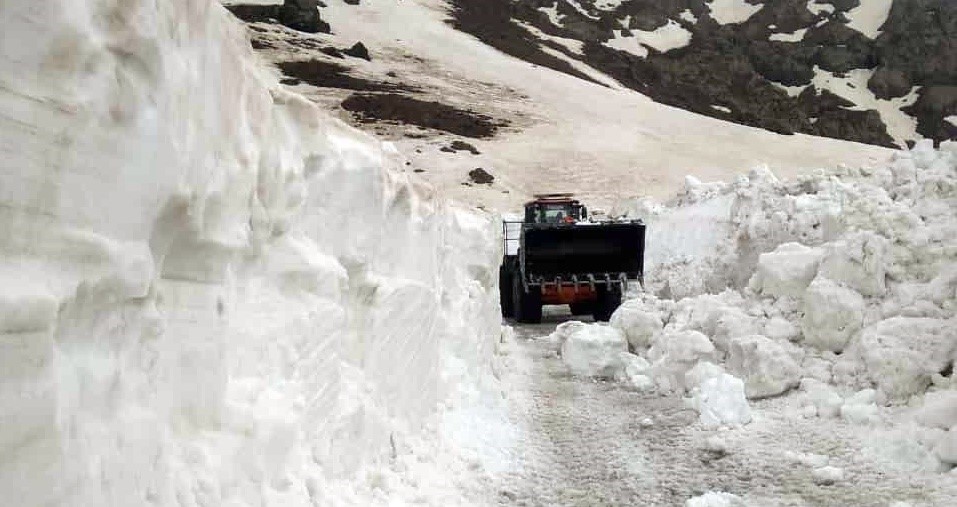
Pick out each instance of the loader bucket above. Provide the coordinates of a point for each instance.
(564, 251)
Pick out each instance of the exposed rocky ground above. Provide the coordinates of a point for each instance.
(734, 70)
(833, 68)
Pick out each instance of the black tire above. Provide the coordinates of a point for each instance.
(582, 308)
(505, 290)
(609, 299)
(528, 305)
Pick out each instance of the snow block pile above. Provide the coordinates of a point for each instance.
(210, 293)
(839, 287)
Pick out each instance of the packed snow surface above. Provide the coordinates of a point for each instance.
(210, 293)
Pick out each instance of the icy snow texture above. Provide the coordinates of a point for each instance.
(766, 368)
(720, 401)
(638, 324)
(901, 354)
(715, 499)
(832, 314)
(674, 353)
(787, 271)
(592, 351)
(210, 293)
(827, 475)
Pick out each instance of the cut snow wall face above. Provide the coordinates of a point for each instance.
(209, 292)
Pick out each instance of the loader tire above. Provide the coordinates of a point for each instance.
(528, 305)
(609, 299)
(582, 308)
(505, 276)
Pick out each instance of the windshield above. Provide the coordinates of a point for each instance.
(553, 214)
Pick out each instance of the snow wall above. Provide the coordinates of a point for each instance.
(210, 293)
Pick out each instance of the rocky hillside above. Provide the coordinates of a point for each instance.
(861, 71)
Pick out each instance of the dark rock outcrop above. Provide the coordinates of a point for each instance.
(887, 83)
(303, 15)
(480, 176)
(934, 104)
(358, 50)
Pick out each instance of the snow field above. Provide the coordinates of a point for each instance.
(210, 292)
(837, 290)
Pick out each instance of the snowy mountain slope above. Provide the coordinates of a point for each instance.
(211, 293)
(553, 131)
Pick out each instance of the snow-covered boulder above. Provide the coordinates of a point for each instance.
(637, 322)
(787, 271)
(900, 355)
(594, 350)
(674, 353)
(857, 261)
(832, 314)
(720, 401)
(765, 366)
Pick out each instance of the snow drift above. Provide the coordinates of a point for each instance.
(210, 294)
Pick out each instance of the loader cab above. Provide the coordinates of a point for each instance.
(554, 209)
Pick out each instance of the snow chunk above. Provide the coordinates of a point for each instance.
(787, 271)
(732, 11)
(674, 353)
(715, 499)
(701, 372)
(857, 261)
(593, 350)
(824, 399)
(901, 354)
(720, 401)
(637, 323)
(860, 408)
(828, 475)
(832, 314)
(946, 447)
(939, 410)
(767, 369)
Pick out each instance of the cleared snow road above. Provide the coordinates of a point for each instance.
(587, 442)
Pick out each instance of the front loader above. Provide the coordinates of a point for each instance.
(555, 256)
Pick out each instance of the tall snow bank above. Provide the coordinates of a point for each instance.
(210, 293)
